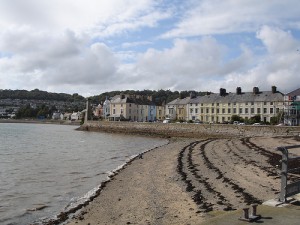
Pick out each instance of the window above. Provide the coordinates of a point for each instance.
(241, 110)
(265, 110)
(196, 110)
(234, 110)
(252, 103)
(217, 104)
(121, 111)
(223, 111)
(191, 111)
(114, 111)
(207, 110)
(213, 104)
(129, 105)
(246, 103)
(229, 104)
(271, 103)
(212, 110)
(265, 103)
(201, 104)
(121, 105)
(271, 110)
(196, 104)
(246, 110)
(218, 111)
(229, 111)
(252, 110)
(201, 110)
(258, 111)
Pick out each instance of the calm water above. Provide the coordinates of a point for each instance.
(47, 167)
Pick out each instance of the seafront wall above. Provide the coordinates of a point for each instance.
(190, 130)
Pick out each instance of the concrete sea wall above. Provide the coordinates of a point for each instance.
(190, 130)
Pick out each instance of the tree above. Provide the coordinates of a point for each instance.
(255, 119)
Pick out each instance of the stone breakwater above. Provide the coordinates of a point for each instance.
(190, 130)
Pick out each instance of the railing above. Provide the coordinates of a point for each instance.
(288, 190)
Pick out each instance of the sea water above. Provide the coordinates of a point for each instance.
(44, 167)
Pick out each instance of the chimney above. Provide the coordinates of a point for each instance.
(222, 92)
(274, 89)
(255, 90)
(192, 95)
(238, 90)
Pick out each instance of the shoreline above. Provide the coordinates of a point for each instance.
(155, 190)
(35, 121)
(134, 166)
(65, 215)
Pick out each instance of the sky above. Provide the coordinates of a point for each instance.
(93, 46)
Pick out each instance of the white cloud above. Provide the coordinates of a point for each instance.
(73, 46)
(279, 66)
(277, 41)
(209, 17)
(97, 18)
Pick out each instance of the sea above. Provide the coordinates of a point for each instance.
(46, 168)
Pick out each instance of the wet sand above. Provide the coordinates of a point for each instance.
(189, 181)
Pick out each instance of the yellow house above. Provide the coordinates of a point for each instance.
(219, 108)
(177, 109)
(160, 112)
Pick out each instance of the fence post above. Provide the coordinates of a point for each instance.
(284, 173)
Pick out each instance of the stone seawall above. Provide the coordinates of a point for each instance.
(190, 130)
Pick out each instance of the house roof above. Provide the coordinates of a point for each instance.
(179, 101)
(294, 93)
(127, 99)
(243, 97)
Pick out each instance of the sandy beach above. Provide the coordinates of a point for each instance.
(190, 181)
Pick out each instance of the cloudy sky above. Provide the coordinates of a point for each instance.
(92, 46)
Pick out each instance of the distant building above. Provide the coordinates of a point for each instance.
(177, 109)
(56, 116)
(106, 108)
(132, 108)
(292, 108)
(76, 116)
(220, 107)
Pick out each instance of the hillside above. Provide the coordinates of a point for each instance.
(159, 97)
(37, 94)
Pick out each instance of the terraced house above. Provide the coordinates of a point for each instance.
(177, 109)
(219, 108)
(132, 108)
(209, 108)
